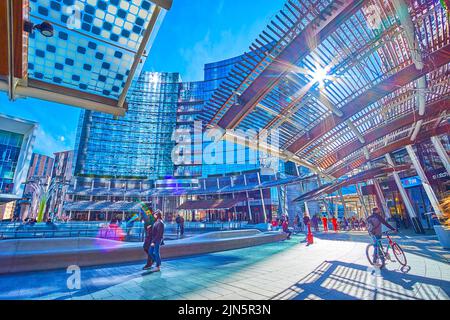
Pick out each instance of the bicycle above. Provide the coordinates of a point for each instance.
(384, 255)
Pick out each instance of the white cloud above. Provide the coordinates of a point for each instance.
(220, 6)
(48, 144)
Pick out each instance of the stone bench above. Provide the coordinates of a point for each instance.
(46, 254)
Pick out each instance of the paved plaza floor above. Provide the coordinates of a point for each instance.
(334, 267)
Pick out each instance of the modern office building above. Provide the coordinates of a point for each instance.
(252, 196)
(40, 166)
(63, 167)
(62, 174)
(189, 131)
(127, 154)
(40, 172)
(128, 157)
(208, 157)
(16, 146)
(138, 145)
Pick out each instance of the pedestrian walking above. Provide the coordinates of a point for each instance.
(334, 223)
(181, 226)
(178, 221)
(345, 224)
(148, 226)
(325, 223)
(296, 224)
(157, 238)
(315, 222)
(306, 221)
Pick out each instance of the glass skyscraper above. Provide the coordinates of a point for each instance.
(16, 146)
(190, 108)
(227, 157)
(138, 145)
(10, 145)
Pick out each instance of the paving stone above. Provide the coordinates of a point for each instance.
(334, 267)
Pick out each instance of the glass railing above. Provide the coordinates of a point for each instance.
(105, 230)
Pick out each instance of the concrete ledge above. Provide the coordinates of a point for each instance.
(46, 254)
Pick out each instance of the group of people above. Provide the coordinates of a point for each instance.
(318, 222)
(301, 225)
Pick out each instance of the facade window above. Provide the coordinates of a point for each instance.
(10, 144)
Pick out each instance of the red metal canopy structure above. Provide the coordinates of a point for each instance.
(360, 177)
(218, 204)
(342, 82)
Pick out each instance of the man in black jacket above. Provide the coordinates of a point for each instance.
(157, 237)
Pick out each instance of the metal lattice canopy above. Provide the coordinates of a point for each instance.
(342, 82)
(95, 52)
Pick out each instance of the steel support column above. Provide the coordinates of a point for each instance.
(248, 201)
(409, 208)
(441, 152)
(381, 198)
(343, 202)
(262, 198)
(263, 205)
(361, 199)
(307, 209)
(425, 182)
(280, 204)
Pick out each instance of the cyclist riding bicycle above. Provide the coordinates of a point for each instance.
(374, 223)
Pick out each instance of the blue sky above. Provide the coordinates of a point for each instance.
(193, 33)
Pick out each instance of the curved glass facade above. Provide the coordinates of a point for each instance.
(137, 145)
(10, 144)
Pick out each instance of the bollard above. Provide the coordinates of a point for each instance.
(309, 237)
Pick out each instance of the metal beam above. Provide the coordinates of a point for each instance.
(409, 207)
(361, 199)
(443, 155)
(404, 195)
(10, 46)
(318, 29)
(432, 110)
(397, 145)
(405, 76)
(138, 56)
(51, 92)
(254, 144)
(262, 199)
(341, 196)
(401, 9)
(166, 4)
(425, 183)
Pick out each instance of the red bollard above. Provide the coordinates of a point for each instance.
(309, 236)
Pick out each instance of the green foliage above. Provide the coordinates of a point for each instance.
(42, 206)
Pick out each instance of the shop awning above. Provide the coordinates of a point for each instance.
(217, 204)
